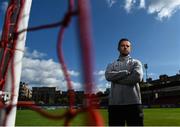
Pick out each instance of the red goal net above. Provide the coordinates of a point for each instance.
(9, 46)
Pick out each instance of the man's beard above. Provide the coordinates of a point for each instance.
(124, 54)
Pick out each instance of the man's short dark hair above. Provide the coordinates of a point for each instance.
(120, 41)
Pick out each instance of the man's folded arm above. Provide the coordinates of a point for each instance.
(112, 75)
(134, 77)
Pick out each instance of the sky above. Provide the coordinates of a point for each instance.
(152, 26)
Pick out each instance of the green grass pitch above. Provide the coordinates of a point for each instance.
(152, 117)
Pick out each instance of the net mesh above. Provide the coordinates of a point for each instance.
(8, 46)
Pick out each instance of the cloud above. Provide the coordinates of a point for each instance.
(102, 86)
(100, 75)
(162, 9)
(111, 2)
(142, 4)
(151, 75)
(34, 54)
(129, 4)
(4, 6)
(101, 83)
(41, 72)
(73, 73)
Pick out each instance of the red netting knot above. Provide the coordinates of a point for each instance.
(67, 19)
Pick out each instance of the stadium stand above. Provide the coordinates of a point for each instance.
(162, 92)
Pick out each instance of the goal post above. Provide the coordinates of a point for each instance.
(14, 68)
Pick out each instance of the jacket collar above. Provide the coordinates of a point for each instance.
(122, 58)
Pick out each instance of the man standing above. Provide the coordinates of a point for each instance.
(125, 74)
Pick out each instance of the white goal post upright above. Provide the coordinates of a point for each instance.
(18, 55)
